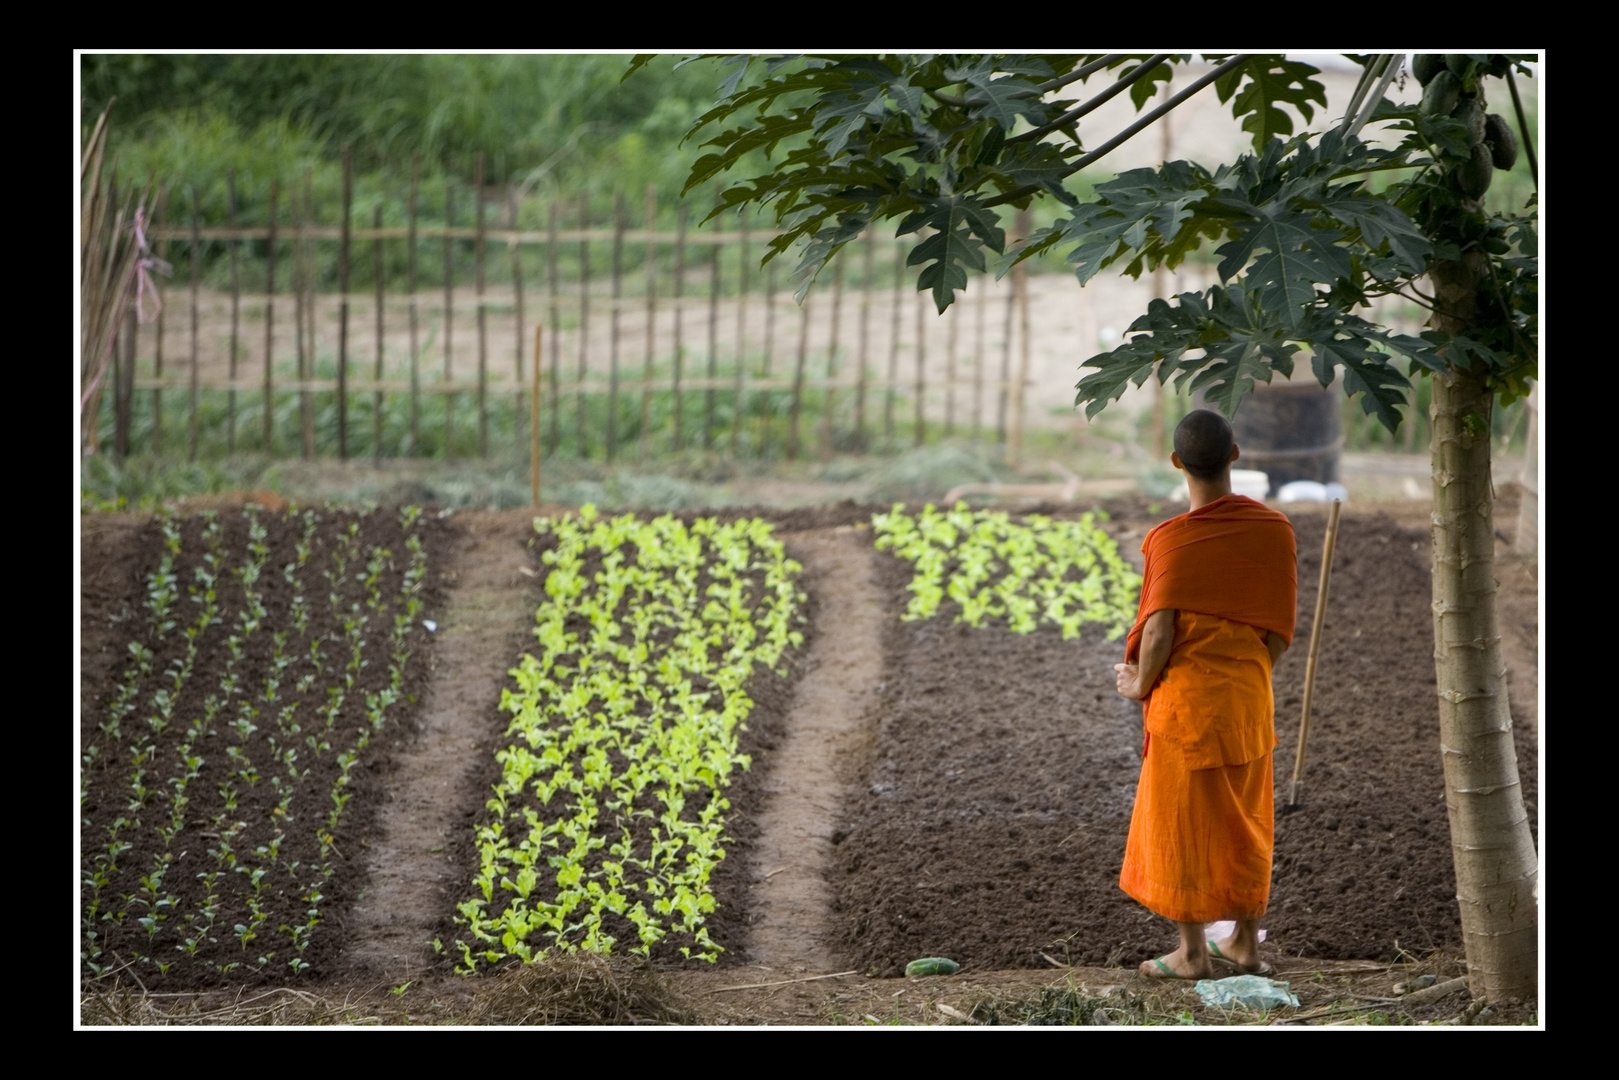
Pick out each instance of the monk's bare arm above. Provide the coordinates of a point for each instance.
(1157, 640)
(1276, 644)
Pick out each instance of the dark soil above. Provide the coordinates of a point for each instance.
(116, 564)
(991, 827)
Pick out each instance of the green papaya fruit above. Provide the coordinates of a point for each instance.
(1426, 65)
(1473, 178)
(1501, 140)
(1497, 246)
(1457, 63)
(1442, 95)
(931, 965)
(1471, 114)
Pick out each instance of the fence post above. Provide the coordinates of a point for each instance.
(584, 324)
(235, 309)
(160, 219)
(798, 378)
(483, 337)
(829, 396)
(517, 290)
(1020, 286)
(922, 301)
(410, 273)
(376, 399)
(449, 306)
(865, 320)
(765, 406)
(343, 311)
(642, 443)
(741, 361)
(303, 311)
(269, 321)
(680, 292)
(613, 324)
(893, 346)
(196, 283)
(713, 341)
(556, 346)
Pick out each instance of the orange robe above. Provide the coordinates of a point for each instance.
(1201, 834)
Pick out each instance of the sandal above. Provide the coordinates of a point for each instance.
(1262, 969)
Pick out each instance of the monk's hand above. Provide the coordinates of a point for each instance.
(1129, 680)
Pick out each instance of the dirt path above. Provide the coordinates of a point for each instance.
(817, 761)
(412, 867)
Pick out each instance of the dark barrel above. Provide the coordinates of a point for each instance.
(1291, 431)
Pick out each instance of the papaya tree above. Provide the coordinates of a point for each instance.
(1309, 228)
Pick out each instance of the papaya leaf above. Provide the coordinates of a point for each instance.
(963, 227)
(1272, 83)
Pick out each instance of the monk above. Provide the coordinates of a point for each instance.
(1218, 598)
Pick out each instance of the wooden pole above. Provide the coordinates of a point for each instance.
(269, 319)
(978, 369)
(1020, 285)
(893, 346)
(829, 397)
(642, 445)
(1315, 648)
(196, 302)
(449, 302)
(869, 245)
(613, 326)
(713, 341)
(303, 302)
(376, 401)
(766, 406)
(534, 425)
(556, 349)
(798, 378)
(950, 373)
(922, 301)
(741, 356)
(235, 310)
(680, 292)
(483, 322)
(343, 309)
(415, 353)
(584, 324)
(157, 363)
(1006, 357)
(517, 290)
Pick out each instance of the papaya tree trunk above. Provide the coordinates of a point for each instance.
(1495, 860)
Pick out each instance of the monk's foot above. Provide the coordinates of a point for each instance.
(1177, 966)
(1243, 955)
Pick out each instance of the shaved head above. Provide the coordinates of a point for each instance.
(1204, 440)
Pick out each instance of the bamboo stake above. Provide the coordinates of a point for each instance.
(737, 409)
(613, 323)
(1020, 286)
(269, 319)
(893, 347)
(376, 402)
(1315, 647)
(680, 291)
(642, 444)
(157, 363)
(922, 301)
(798, 379)
(950, 373)
(534, 425)
(713, 342)
(584, 325)
(415, 355)
(765, 404)
(196, 284)
(483, 322)
(978, 370)
(235, 309)
(303, 302)
(343, 310)
(865, 320)
(829, 395)
(449, 300)
(556, 348)
(517, 289)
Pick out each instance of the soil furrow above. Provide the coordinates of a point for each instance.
(435, 789)
(827, 739)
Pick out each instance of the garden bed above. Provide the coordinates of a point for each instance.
(992, 824)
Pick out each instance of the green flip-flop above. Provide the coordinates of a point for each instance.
(1262, 969)
(1171, 973)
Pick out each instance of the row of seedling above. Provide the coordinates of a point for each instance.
(624, 736)
(216, 788)
(1019, 573)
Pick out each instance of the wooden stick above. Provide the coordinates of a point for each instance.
(269, 320)
(483, 322)
(196, 280)
(410, 262)
(534, 424)
(235, 309)
(783, 982)
(343, 309)
(376, 401)
(1315, 648)
(449, 303)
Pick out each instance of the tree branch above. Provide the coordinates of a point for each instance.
(1134, 74)
(1125, 135)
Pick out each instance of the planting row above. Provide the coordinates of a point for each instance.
(1017, 574)
(270, 652)
(609, 819)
